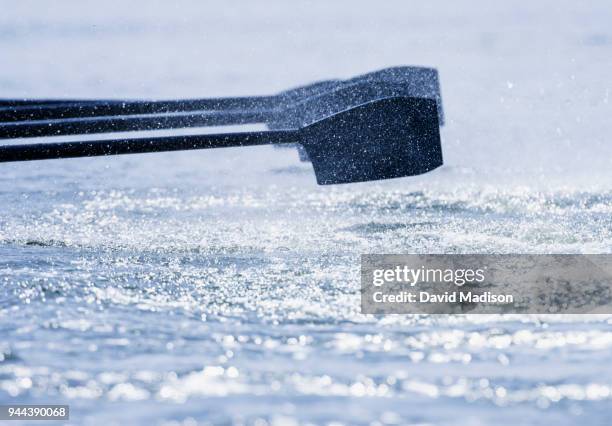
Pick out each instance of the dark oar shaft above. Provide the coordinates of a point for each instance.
(6, 104)
(92, 125)
(56, 109)
(48, 109)
(47, 151)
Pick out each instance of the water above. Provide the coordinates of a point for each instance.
(221, 286)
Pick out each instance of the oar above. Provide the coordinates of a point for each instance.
(13, 103)
(287, 116)
(49, 109)
(418, 81)
(382, 139)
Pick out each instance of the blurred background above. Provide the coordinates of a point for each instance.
(221, 287)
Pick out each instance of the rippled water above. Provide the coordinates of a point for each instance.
(222, 286)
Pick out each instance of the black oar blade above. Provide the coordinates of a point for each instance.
(384, 139)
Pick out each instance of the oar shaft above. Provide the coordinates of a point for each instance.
(16, 110)
(49, 109)
(6, 104)
(92, 125)
(47, 151)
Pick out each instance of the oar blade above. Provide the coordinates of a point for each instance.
(383, 139)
